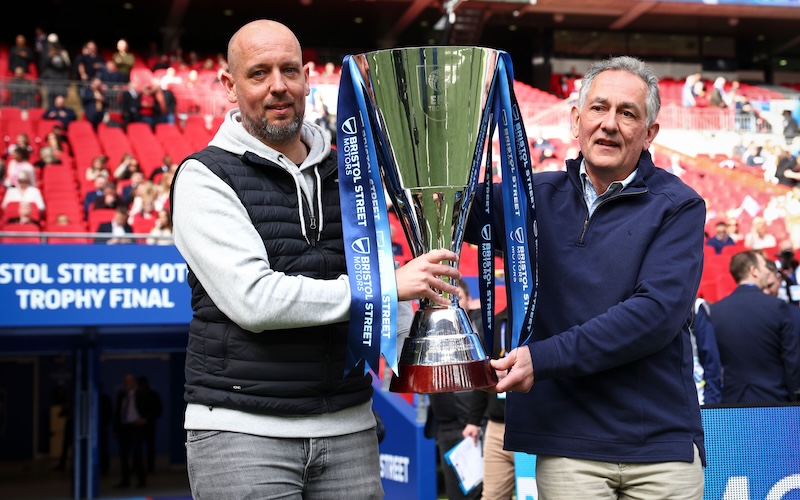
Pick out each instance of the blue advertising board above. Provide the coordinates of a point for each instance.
(753, 453)
(408, 458)
(82, 285)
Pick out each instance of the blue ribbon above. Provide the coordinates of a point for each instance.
(366, 231)
(519, 210)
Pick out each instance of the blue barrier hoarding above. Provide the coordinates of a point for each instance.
(81, 285)
(753, 453)
(408, 458)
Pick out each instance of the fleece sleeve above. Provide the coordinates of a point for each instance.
(221, 246)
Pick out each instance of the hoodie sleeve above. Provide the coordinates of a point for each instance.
(217, 239)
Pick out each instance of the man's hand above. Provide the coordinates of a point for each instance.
(471, 431)
(421, 278)
(514, 371)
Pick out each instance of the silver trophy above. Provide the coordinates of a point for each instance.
(430, 107)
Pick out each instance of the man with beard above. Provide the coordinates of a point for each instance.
(257, 217)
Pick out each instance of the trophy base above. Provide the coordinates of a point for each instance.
(430, 379)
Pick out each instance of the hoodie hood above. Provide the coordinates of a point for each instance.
(232, 137)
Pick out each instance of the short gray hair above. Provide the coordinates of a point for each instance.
(633, 66)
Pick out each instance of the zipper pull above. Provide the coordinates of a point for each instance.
(313, 221)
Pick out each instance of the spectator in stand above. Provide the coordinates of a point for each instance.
(128, 166)
(700, 94)
(124, 59)
(90, 197)
(88, 63)
(687, 91)
(111, 76)
(149, 106)
(787, 170)
(24, 192)
(54, 73)
(167, 165)
(754, 155)
(21, 141)
(721, 238)
(170, 77)
(163, 190)
(790, 127)
(718, 98)
(98, 168)
(759, 237)
(170, 104)
(758, 343)
(118, 229)
(130, 104)
(161, 234)
(732, 226)
(109, 198)
(59, 111)
(46, 157)
(18, 163)
(131, 190)
(20, 55)
(94, 101)
(330, 69)
(25, 215)
(143, 212)
(23, 92)
(56, 146)
(162, 62)
(39, 45)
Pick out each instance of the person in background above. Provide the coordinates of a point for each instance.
(490, 407)
(154, 408)
(721, 238)
(448, 414)
(705, 354)
(94, 100)
(20, 56)
(620, 255)
(759, 236)
(59, 111)
(118, 229)
(757, 338)
(256, 217)
(161, 234)
(124, 59)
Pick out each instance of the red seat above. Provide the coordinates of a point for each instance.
(22, 228)
(98, 216)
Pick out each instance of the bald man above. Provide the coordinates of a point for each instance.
(257, 218)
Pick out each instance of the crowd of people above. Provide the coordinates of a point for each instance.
(274, 307)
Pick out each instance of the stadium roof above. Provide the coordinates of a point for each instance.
(354, 25)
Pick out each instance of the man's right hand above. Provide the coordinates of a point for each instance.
(420, 278)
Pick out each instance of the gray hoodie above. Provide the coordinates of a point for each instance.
(217, 239)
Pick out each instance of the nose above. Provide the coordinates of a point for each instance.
(278, 85)
(609, 122)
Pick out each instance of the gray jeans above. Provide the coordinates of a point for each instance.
(235, 466)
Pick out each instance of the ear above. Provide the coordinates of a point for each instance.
(306, 74)
(228, 84)
(652, 132)
(574, 118)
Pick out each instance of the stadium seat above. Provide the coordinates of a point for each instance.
(22, 228)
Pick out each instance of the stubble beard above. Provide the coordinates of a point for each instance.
(271, 133)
